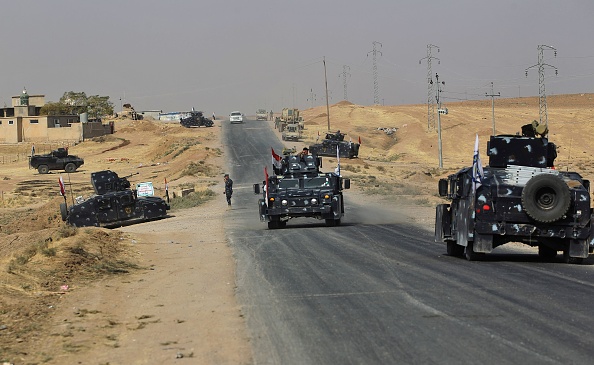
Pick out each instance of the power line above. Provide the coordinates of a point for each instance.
(375, 51)
(430, 90)
(542, 101)
(493, 95)
(344, 75)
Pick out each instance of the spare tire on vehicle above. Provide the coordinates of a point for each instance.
(546, 198)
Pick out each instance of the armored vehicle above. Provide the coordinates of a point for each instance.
(196, 119)
(291, 132)
(332, 141)
(56, 160)
(113, 204)
(520, 198)
(261, 114)
(299, 189)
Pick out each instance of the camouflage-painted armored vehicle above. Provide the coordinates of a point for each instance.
(196, 119)
(56, 160)
(520, 198)
(113, 204)
(299, 189)
(333, 141)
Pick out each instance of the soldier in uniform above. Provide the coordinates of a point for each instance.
(228, 188)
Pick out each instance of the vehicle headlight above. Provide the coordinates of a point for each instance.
(327, 196)
(314, 201)
(284, 202)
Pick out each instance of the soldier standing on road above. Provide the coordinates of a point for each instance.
(271, 115)
(228, 188)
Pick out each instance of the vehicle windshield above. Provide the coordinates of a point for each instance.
(235, 114)
(317, 182)
(288, 184)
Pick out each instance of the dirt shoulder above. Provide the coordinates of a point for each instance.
(179, 305)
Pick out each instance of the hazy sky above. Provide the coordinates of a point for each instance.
(220, 56)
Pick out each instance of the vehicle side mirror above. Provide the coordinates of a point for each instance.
(443, 187)
(256, 188)
(347, 183)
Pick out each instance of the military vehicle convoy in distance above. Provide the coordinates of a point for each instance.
(261, 114)
(113, 204)
(333, 140)
(58, 159)
(299, 189)
(522, 198)
(196, 119)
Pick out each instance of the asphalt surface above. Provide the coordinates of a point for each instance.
(377, 290)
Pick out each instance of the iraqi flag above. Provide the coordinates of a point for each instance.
(62, 188)
(276, 160)
(477, 167)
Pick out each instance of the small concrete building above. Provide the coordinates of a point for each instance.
(22, 123)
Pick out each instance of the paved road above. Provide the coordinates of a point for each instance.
(377, 290)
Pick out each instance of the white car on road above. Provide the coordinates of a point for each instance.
(236, 117)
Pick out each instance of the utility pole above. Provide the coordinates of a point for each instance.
(345, 73)
(493, 95)
(439, 112)
(542, 100)
(327, 105)
(375, 51)
(430, 90)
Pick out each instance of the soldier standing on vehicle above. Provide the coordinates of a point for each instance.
(228, 188)
(213, 116)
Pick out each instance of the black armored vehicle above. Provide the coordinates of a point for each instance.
(333, 141)
(113, 204)
(521, 197)
(56, 160)
(299, 189)
(196, 119)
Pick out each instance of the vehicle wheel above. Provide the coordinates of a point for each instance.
(43, 169)
(571, 260)
(337, 222)
(454, 249)
(282, 224)
(330, 222)
(64, 211)
(70, 167)
(546, 253)
(471, 255)
(546, 198)
(273, 225)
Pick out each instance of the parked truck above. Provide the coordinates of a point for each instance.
(261, 114)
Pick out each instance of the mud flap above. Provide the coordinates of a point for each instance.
(483, 242)
(578, 248)
(443, 219)
(463, 222)
(262, 209)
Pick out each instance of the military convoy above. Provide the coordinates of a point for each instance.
(113, 204)
(521, 197)
(58, 159)
(299, 189)
(196, 119)
(335, 141)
